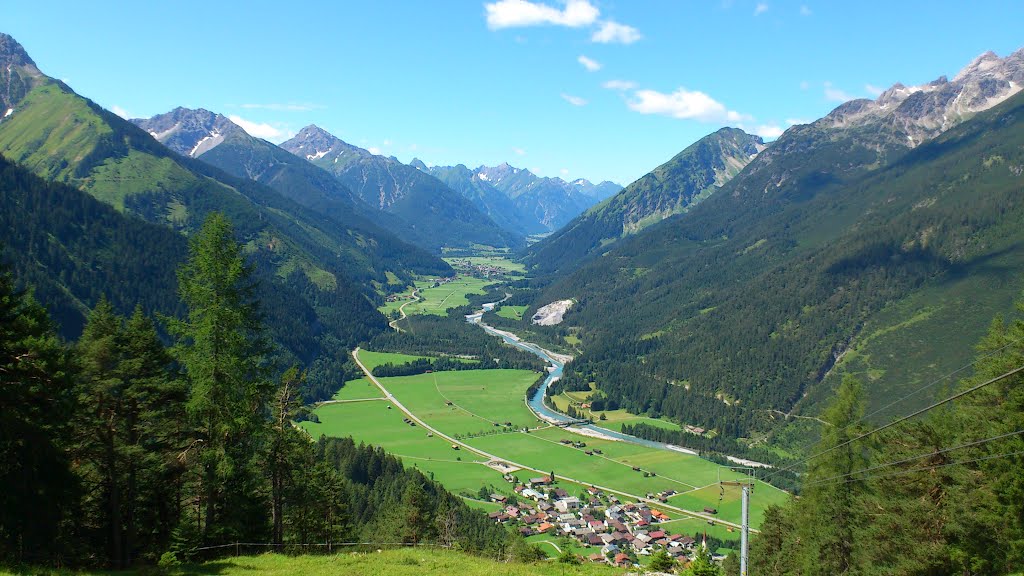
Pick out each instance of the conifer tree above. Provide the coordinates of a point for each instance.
(130, 411)
(36, 403)
(222, 348)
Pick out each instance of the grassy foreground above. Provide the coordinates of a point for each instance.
(405, 562)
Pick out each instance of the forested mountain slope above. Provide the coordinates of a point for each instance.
(672, 188)
(416, 206)
(832, 243)
(66, 138)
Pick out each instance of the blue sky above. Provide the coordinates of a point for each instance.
(601, 89)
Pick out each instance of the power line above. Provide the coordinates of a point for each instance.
(926, 386)
(899, 420)
(913, 458)
(934, 467)
(940, 379)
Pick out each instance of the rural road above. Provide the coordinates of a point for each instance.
(389, 396)
(401, 310)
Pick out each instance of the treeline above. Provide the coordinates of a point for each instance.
(430, 335)
(120, 451)
(716, 448)
(423, 365)
(936, 495)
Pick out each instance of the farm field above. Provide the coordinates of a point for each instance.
(373, 359)
(614, 419)
(358, 390)
(479, 398)
(440, 299)
(374, 423)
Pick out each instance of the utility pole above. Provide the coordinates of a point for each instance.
(747, 485)
(745, 530)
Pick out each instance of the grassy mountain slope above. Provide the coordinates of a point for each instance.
(672, 188)
(65, 138)
(831, 247)
(429, 214)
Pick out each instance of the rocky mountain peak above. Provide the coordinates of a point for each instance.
(189, 132)
(419, 165)
(919, 113)
(13, 53)
(314, 143)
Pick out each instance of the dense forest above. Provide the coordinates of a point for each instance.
(746, 304)
(119, 450)
(938, 494)
(73, 249)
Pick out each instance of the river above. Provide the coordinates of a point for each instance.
(556, 364)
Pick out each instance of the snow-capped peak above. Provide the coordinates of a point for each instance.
(195, 149)
(318, 155)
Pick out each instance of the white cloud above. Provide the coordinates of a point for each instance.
(683, 104)
(119, 111)
(387, 142)
(761, 8)
(592, 65)
(517, 13)
(373, 150)
(564, 171)
(574, 100)
(804, 85)
(795, 121)
(835, 94)
(284, 107)
(769, 131)
(614, 33)
(620, 85)
(519, 151)
(873, 90)
(262, 130)
(805, 10)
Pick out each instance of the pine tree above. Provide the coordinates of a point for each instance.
(286, 446)
(36, 403)
(100, 405)
(830, 508)
(154, 432)
(416, 514)
(703, 564)
(222, 349)
(129, 409)
(662, 562)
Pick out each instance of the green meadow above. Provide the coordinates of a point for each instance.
(468, 404)
(438, 300)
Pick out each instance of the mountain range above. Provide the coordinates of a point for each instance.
(876, 241)
(672, 188)
(323, 278)
(416, 206)
(518, 199)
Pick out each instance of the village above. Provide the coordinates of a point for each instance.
(619, 533)
(478, 269)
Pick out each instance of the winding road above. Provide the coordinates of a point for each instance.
(401, 310)
(391, 397)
